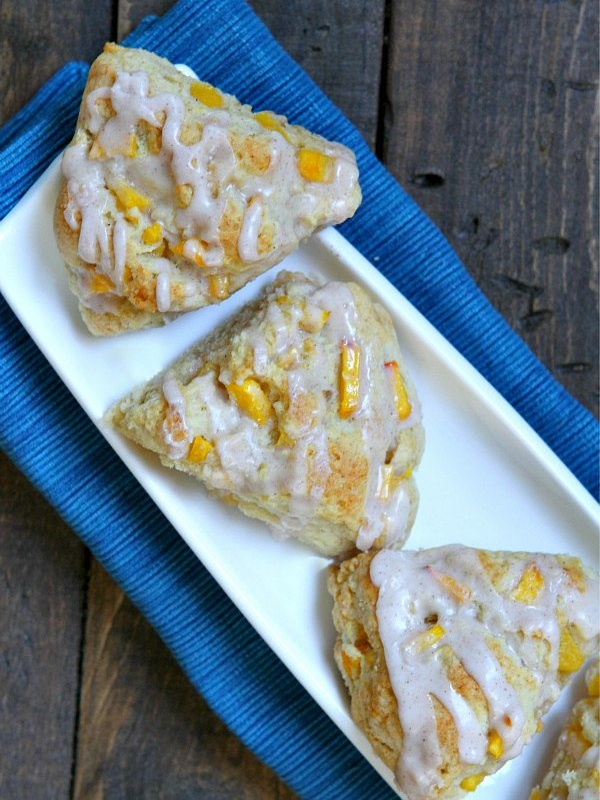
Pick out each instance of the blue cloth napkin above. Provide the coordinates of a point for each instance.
(53, 442)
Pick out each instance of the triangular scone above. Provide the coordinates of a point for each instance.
(299, 411)
(451, 655)
(575, 770)
(174, 194)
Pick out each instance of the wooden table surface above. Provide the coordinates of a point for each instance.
(485, 113)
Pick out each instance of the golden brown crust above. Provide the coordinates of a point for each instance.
(575, 768)
(133, 300)
(360, 657)
(303, 436)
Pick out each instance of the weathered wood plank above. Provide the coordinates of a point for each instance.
(144, 730)
(491, 127)
(42, 563)
(131, 12)
(41, 593)
(339, 44)
(36, 39)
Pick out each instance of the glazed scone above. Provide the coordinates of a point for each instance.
(451, 655)
(299, 411)
(574, 773)
(174, 194)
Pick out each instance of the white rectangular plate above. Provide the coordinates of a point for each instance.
(486, 478)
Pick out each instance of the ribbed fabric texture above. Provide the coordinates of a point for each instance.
(53, 442)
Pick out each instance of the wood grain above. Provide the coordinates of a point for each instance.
(37, 38)
(491, 120)
(340, 46)
(131, 12)
(144, 732)
(42, 568)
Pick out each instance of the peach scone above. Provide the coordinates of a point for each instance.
(174, 194)
(574, 773)
(299, 411)
(451, 655)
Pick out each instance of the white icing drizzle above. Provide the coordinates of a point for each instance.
(384, 516)
(344, 175)
(236, 442)
(203, 166)
(163, 284)
(87, 197)
(411, 595)
(591, 756)
(206, 170)
(192, 248)
(299, 465)
(248, 240)
(378, 418)
(176, 433)
(129, 99)
(119, 251)
(163, 292)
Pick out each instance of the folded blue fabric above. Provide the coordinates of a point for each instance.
(53, 442)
